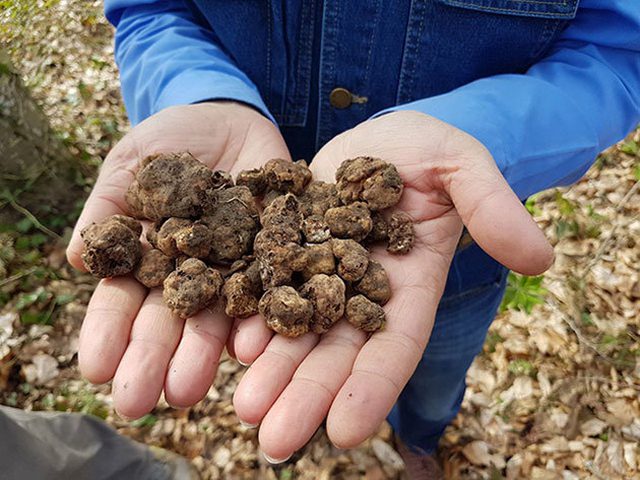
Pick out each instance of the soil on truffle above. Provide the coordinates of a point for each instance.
(112, 247)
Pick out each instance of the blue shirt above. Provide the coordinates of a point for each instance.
(544, 85)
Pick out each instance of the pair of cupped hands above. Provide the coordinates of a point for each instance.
(293, 385)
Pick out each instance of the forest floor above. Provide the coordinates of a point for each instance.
(554, 395)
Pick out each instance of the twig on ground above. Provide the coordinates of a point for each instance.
(36, 223)
(17, 276)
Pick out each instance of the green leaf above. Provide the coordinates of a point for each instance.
(147, 421)
(523, 293)
(286, 474)
(22, 243)
(26, 300)
(85, 91)
(24, 225)
(531, 206)
(38, 239)
(567, 207)
(492, 340)
(636, 172)
(565, 228)
(586, 319)
(31, 256)
(629, 147)
(65, 298)
(608, 340)
(522, 367)
(35, 318)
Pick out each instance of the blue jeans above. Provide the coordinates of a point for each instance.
(434, 394)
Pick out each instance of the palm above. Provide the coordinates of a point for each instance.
(353, 382)
(128, 333)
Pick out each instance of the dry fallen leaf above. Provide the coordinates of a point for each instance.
(43, 369)
(386, 454)
(593, 427)
(477, 452)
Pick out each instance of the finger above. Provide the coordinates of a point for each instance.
(106, 327)
(251, 338)
(269, 375)
(381, 369)
(262, 143)
(140, 376)
(231, 351)
(388, 359)
(498, 221)
(303, 405)
(195, 361)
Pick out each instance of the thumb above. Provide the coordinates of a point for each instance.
(107, 198)
(497, 220)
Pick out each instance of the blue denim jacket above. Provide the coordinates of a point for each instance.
(544, 84)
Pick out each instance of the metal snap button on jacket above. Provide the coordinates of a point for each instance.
(340, 97)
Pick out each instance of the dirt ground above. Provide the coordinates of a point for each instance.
(554, 395)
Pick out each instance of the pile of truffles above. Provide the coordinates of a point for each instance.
(274, 242)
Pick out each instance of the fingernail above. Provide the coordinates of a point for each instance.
(248, 425)
(274, 461)
(243, 363)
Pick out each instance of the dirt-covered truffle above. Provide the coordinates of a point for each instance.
(364, 314)
(315, 229)
(351, 221)
(221, 179)
(285, 311)
(194, 240)
(370, 180)
(192, 287)
(233, 224)
(327, 294)
(286, 176)
(380, 230)
(401, 234)
(320, 259)
(304, 246)
(171, 185)
(163, 235)
(112, 247)
(254, 180)
(279, 255)
(269, 197)
(375, 283)
(153, 268)
(283, 211)
(318, 197)
(354, 259)
(241, 296)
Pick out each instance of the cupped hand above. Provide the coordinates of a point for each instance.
(450, 180)
(128, 334)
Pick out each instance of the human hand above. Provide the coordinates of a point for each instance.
(450, 180)
(128, 334)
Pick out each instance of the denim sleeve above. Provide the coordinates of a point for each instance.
(544, 128)
(166, 58)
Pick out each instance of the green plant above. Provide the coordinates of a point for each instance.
(492, 340)
(523, 293)
(148, 420)
(631, 147)
(531, 205)
(522, 367)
